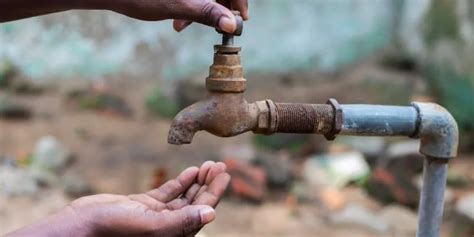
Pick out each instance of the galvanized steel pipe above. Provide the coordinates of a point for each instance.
(430, 122)
(431, 204)
(379, 120)
(438, 133)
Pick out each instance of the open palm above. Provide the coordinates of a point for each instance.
(180, 207)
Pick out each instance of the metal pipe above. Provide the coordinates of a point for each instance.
(438, 131)
(430, 122)
(379, 120)
(229, 114)
(311, 118)
(227, 39)
(221, 114)
(431, 206)
(439, 135)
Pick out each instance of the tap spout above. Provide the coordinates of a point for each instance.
(221, 114)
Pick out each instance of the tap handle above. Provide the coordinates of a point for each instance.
(228, 38)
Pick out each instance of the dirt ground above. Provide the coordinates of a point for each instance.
(118, 155)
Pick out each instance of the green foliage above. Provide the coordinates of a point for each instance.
(441, 21)
(158, 104)
(93, 102)
(99, 101)
(458, 181)
(87, 100)
(363, 181)
(7, 70)
(470, 10)
(455, 91)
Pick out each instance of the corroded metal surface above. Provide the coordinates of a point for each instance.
(304, 118)
(224, 111)
(438, 131)
(226, 73)
(221, 114)
(264, 118)
(337, 121)
(430, 122)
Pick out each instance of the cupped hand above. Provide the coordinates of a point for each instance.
(180, 207)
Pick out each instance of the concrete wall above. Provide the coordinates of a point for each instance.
(282, 35)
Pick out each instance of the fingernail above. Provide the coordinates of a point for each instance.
(246, 15)
(185, 24)
(207, 214)
(179, 27)
(226, 24)
(182, 25)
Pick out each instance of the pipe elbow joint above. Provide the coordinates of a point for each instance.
(437, 130)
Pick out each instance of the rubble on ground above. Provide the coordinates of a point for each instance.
(465, 206)
(338, 169)
(248, 181)
(277, 166)
(396, 220)
(360, 216)
(10, 110)
(16, 182)
(50, 154)
(390, 187)
(244, 152)
(75, 186)
(45, 167)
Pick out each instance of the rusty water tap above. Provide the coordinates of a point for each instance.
(225, 112)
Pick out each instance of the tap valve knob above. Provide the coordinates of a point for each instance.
(228, 38)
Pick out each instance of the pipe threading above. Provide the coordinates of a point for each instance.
(304, 118)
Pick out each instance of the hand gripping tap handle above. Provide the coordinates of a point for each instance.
(228, 38)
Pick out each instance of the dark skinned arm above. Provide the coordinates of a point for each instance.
(184, 12)
(180, 207)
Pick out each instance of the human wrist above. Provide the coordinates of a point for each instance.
(63, 223)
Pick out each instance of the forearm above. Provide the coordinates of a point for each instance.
(11, 10)
(63, 223)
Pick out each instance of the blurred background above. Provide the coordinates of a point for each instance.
(86, 100)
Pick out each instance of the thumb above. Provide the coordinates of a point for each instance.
(185, 221)
(213, 14)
